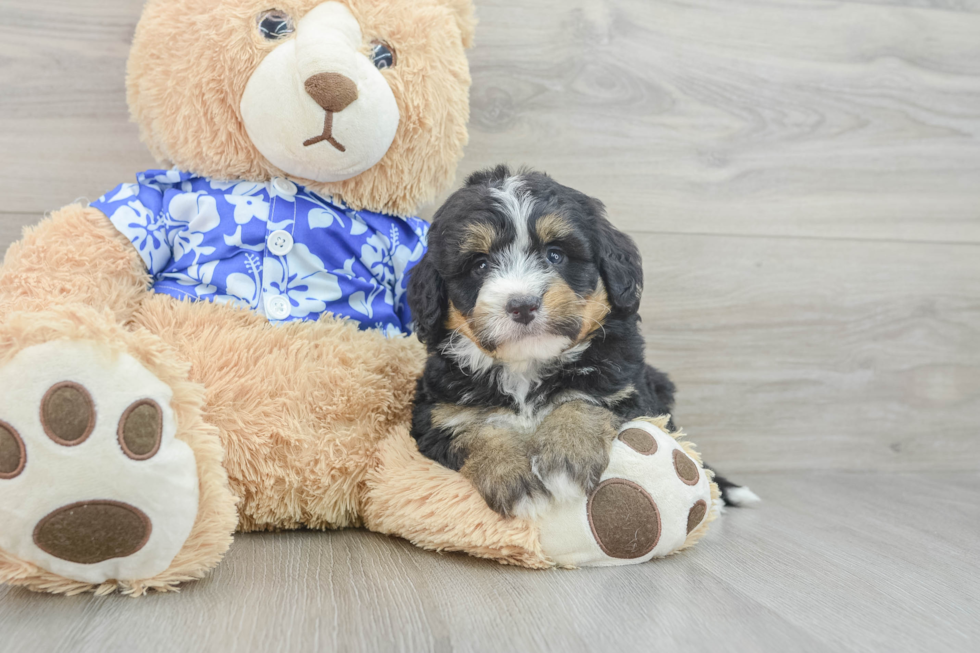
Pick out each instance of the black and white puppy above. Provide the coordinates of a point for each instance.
(527, 303)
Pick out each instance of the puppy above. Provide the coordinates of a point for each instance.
(527, 303)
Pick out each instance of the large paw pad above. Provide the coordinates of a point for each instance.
(650, 497)
(88, 532)
(93, 483)
(624, 519)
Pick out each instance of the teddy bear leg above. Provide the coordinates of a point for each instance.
(109, 477)
(653, 499)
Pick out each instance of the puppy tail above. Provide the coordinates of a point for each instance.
(734, 494)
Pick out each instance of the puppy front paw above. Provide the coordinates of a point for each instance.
(570, 449)
(507, 484)
(569, 473)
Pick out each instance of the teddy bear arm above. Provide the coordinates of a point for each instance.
(410, 496)
(74, 256)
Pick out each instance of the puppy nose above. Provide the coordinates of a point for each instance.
(523, 309)
(332, 91)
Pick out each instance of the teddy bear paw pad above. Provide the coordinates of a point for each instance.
(94, 484)
(651, 496)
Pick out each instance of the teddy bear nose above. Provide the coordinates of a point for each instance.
(332, 91)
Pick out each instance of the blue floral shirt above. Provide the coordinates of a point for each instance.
(284, 251)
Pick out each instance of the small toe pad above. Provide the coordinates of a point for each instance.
(12, 453)
(67, 413)
(140, 429)
(687, 469)
(696, 514)
(639, 441)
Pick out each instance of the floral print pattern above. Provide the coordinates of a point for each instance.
(206, 239)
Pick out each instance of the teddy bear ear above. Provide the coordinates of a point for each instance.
(463, 10)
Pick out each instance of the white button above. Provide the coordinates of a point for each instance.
(284, 186)
(280, 242)
(277, 307)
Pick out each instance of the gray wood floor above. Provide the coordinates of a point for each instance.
(833, 562)
(803, 177)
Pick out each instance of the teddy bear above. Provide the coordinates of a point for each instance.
(225, 345)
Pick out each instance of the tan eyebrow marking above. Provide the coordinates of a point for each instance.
(552, 227)
(479, 237)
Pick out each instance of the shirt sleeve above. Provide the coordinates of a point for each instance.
(136, 210)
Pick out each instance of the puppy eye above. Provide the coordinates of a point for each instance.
(480, 267)
(275, 24)
(555, 255)
(382, 55)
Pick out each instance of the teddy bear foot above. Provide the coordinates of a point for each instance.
(653, 499)
(94, 486)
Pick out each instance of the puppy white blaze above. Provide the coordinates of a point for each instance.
(517, 273)
(517, 205)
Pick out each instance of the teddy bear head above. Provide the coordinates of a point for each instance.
(362, 100)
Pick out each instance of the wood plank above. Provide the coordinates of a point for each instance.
(818, 354)
(848, 119)
(859, 560)
(796, 574)
(66, 58)
(11, 226)
(971, 6)
(67, 160)
(64, 124)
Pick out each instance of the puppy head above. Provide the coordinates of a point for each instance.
(523, 267)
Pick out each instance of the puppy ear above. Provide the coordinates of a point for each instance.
(427, 300)
(619, 263)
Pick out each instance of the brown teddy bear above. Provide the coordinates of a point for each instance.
(223, 344)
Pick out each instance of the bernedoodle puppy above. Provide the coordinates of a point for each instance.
(527, 303)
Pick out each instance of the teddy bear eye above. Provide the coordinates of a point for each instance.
(382, 54)
(275, 24)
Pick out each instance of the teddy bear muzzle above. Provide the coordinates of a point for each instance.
(316, 106)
